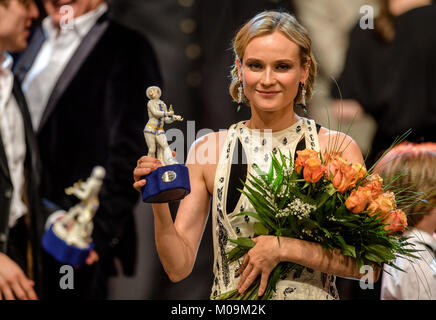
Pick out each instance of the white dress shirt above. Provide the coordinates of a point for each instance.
(55, 53)
(13, 138)
(418, 282)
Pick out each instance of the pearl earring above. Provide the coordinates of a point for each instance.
(303, 95)
(303, 98)
(240, 94)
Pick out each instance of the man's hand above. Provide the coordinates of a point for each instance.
(13, 282)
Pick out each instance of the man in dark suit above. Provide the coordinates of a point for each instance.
(85, 81)
(21, 215)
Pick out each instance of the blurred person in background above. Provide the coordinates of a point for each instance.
(330, 23)
(390, 74)
(412, 166)
(21, 211)
(85, 77)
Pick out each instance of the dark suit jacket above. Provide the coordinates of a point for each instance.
(32, 169)
(95, 116)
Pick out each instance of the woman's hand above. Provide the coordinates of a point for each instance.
(260, 260)
(144, 166)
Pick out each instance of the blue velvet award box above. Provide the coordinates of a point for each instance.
(166, 184)
(62, 252)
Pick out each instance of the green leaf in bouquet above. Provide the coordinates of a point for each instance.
(260, 229)
(373, 257)
(326, 232)
(308, 224)
(226, 295)
(285, 199)
(243, 242)
(410, 255)
(292, 224)
(263, 207)
(326, 195)
(275, 162)
(359, 260)
(340, 240)
(283, 160)
(404, 250)
(298, 194)
(258, 198)
(260, 172)
(331, 208)
(404, 239)
(346, 223)
(236, 253)
(252, 292)
(349, 251)
(382, 251)
(277, 181)
(293, 176)
(257, 183)
(277, 184)
(393, 265)
(270, 174)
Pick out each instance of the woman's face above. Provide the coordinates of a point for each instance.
(271, 72)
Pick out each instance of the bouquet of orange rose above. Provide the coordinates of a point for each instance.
(327, 200)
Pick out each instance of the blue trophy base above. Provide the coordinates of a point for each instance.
(62, 252)
(167, 183)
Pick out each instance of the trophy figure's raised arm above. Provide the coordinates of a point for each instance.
(171, 181)
(69, 237)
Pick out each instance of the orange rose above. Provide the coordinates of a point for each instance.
(343, 174)
(331, 155)
(395, 221)
(313, 170)
(358, 200)
(345, 178)
(333, 164)
(383, 203)
(360, 170)
(302, 157)
(374, 183)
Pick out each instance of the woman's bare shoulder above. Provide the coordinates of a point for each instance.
(331, 140)
(206, 149)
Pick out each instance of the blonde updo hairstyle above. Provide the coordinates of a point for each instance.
(266, 23)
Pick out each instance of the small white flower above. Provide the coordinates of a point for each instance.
(300, 209)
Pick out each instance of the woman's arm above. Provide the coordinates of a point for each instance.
(177, 242)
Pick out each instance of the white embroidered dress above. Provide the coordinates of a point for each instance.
(257, 146)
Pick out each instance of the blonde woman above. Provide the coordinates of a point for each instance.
(274, 69)
(413, 166)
